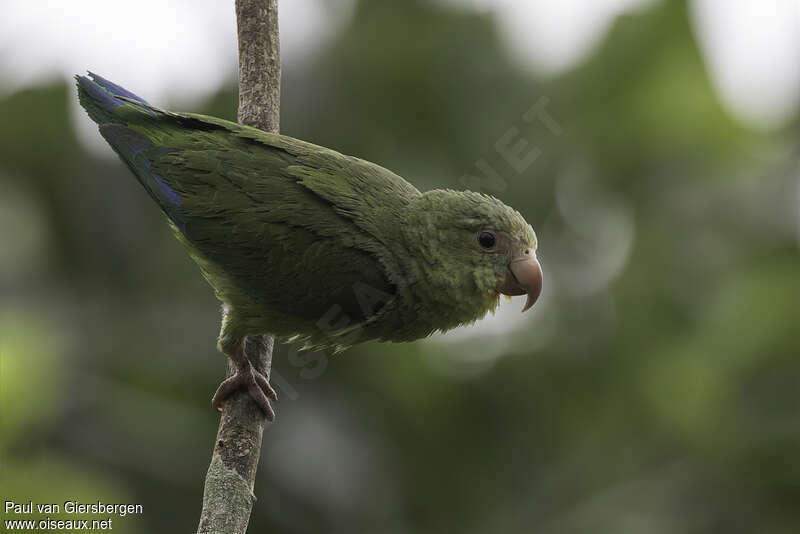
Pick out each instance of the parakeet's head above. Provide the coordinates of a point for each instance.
(474, 247)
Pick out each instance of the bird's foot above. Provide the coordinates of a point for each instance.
(246, 377)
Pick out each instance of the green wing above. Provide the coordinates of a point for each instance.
(285, 227)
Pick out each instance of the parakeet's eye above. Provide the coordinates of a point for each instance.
(486, 239)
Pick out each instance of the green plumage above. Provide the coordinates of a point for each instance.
(303, 242)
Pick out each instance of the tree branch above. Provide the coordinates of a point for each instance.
(259, 64)
(228, 494)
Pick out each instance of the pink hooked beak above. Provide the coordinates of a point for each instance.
(524, 276)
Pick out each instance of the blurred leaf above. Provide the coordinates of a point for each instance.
(30, 369)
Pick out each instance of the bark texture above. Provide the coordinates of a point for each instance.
(259, 64)
(228, 494)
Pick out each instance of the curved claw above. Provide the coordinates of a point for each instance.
(246, 377)
(263, 383)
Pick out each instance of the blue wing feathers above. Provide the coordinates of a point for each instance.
(137, 152)
(114, 88)
(106, 101)
(111, 106)
(97, 96)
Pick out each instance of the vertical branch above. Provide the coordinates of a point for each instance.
(259, 64)
(228, 494)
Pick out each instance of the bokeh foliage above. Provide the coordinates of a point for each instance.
(654, 389)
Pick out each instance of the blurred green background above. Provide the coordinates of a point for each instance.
(654, 388)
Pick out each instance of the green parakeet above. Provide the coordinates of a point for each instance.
(310, 245)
